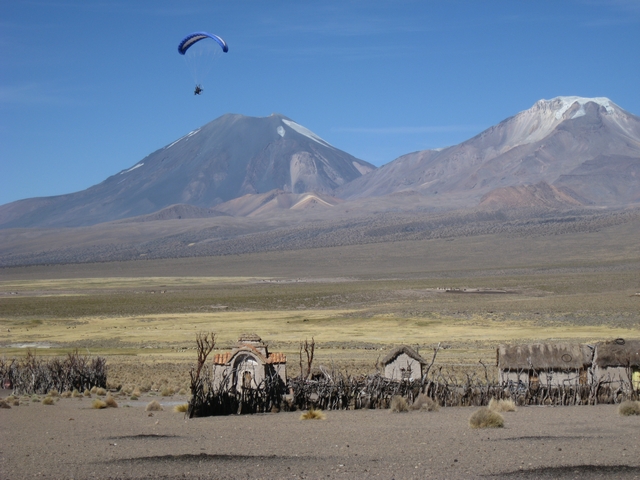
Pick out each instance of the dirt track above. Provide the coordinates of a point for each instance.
(72, 440)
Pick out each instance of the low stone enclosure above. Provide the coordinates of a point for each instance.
(525, 383)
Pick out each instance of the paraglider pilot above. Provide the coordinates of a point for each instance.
(198, 90)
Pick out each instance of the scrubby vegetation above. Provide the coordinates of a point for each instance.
(425, 404)
(502, 405)
(154, 406)
(629, 407)
(399, 404)
(313, 414)
(486, 418)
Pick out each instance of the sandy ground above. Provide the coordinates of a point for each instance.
(72, 440)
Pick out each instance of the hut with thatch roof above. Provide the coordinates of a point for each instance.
(617, 363)
(544, 363)
(248, 365)
(403, 363)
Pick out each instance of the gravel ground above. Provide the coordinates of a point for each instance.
(72, 440)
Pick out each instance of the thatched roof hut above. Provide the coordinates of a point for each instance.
(403, 363)
(618, 353)
(544, 356)
(617, 364)
(396, 352)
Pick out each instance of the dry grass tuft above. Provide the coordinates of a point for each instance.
(87, 393)
(628, 408)
(183, 391)
(35, 398)
(504, 405)
(101, 392)
(4, 403)
(154, 406)
(425, 403)
(65, 394)
(136, 392)
(182, 408)
(133, 397)
(48, 401)
(166, 392)
(111, 402)
(53, 393)
(399, 404)
(313, 414)
(94, 389)
(485, 418)
(97, 403)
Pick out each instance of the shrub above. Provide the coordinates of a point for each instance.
(111, 402)
(182, 408)
(485, 418)
(628, 408)
(97, 403)
(48, 401)
(53, 393)
(166, 392)
(399, 404)
(313, 414)
(154, 406)
(425, 403)
(503, 405)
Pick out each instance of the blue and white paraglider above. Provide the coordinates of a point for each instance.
(200, 50)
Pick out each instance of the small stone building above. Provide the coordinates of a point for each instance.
(403, 363)
(247, 365)
(544, 364)
(617, 364)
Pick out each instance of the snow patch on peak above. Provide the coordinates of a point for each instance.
(280, 130)
(190, 134)
(534, 124)
(306, 132)
(561, 104)
(133, 168)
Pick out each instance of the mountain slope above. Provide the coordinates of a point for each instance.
(552, 141)
(229, 157)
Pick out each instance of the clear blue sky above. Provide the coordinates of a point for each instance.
(88, 88)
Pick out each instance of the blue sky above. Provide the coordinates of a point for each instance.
(88, 88)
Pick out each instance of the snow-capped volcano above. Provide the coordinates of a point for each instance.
(231, 156)
(590, 146)
(537, 122)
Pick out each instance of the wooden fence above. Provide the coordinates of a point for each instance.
(35, 375)
(449, 387)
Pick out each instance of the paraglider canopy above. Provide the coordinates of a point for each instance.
(195, 37)
(200, 50)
